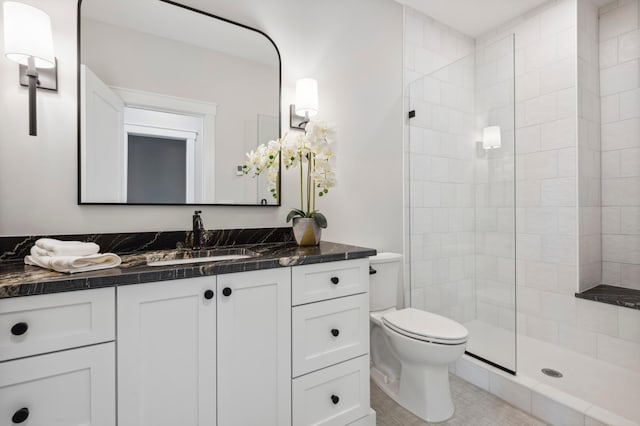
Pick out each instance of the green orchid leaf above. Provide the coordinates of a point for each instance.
(295, 213)
(321, 221)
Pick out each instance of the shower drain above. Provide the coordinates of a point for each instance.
(551, 372)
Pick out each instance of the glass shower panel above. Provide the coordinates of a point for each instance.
(493, 331)
(461, 198)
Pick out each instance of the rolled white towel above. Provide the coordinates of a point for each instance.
(67, 248)
(73, 264)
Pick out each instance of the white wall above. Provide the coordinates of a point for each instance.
(353, 48)
(620, 91)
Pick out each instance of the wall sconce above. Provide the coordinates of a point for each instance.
(491, 137)
(28, 41)
(306, 105)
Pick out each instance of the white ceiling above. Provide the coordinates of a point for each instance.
(473, 17)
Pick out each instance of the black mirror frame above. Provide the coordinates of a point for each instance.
(79, 130)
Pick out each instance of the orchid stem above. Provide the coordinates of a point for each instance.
(313, 184)
(301, 195)
(309, 160)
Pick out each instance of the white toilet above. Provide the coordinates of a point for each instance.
(410, 349)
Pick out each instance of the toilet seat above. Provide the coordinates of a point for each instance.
(425, 326)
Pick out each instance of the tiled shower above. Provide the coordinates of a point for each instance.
(501, 239)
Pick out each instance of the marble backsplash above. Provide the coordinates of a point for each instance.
(16, 247)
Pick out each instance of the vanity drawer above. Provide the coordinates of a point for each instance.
(32, 325)
(323, 281)
(336, 395)
(329, 332)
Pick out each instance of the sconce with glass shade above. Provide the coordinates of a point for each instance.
(491, 137)
(306, 105)
(28, 40)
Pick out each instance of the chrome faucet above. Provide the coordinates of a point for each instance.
(198, 227)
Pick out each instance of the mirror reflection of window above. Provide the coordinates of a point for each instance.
(163, 157)
(156, 170)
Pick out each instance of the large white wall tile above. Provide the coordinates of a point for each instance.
(608, 53)
(610, 108)
(558, 134)
(621, 134)
(621, 77)
(629, 104)
(619, 351)
(620, 191)
(629, 324)
(597, 317)
(619, 21)
(541, 109)
(629, 46)
(559, 192)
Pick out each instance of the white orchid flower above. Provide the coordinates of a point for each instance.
(311, 151)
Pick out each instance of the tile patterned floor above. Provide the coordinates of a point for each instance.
(474, 407)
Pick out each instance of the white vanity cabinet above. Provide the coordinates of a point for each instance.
(206, 351)
(330, 323)
(167, 353)
(254, 348)
(58, 359)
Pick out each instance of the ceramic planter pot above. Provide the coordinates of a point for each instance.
(306, 231)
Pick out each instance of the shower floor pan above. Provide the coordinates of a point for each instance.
(590, 391)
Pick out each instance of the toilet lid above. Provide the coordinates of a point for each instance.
(426, 326)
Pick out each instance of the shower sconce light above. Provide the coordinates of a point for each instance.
(29, 42)
(491, 137)
(306, 105)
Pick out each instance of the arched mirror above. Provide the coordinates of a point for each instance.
(169, 101)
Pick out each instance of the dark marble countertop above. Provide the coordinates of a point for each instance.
(612, 295)
(18, 279)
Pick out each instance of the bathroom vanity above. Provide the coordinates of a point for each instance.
(275, 339)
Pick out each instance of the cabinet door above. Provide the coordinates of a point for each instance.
(68, 388)
(254, 348)
(166, 353)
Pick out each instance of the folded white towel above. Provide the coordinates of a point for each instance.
(72, 264)
(67, 248)
(37, 251)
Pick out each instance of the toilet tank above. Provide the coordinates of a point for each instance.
(383, 284)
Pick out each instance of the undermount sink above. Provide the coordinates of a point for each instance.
(201, 256)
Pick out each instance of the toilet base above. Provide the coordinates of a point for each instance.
(438, 407)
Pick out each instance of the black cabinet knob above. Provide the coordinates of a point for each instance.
(335, 399)
(335, 332)
(335, 280)
(21, 415)
(372, 271)
(208, 294)
(19, 328)
(226, 291)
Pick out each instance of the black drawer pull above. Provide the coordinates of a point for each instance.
(372, 271)
(335, 280)
(19, 328)
(208, 294)
(335, 332)
(226, 291)
(335, 399)
(21, 415)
